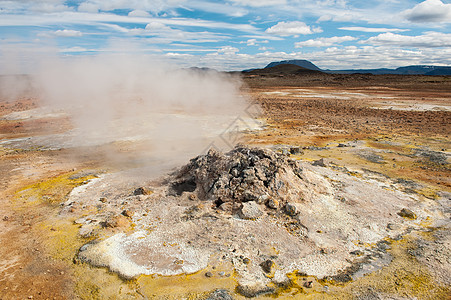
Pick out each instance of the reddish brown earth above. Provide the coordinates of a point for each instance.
(28, 270)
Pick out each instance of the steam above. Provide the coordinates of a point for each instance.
(169, 112)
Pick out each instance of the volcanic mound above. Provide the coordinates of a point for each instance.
(239, 176)
(252, 212)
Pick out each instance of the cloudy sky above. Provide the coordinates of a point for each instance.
(233, 34)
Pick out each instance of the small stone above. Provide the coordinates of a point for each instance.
(102, 199)
(128, 213)
(262, 198)
(246, 261)
(341, 145)
(272, 203)
(220, 294)
(192, 197)
(5, 218)
(291, 209)
(392, 226)
(356, 252)
(222, 273)
(267, 265)
(117, 221)
(254, 290)
(319, 163)
(250, 211)
(308, 284)
(249, 196)
(407, 213)
(226, 206)
(208, 274)
(295, 150)
(142, 191)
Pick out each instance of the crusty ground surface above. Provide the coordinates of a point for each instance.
(29, 267)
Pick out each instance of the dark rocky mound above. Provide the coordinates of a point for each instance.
(241, 175)
(298, 62)
(283, 69)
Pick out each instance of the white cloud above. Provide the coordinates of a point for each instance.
(429, 11)
(292, 28)
(228, 50)
(324, 42)
(88, 7)
(73, 49)
(157, 26)
(254, 42)
(251, 42)
(138, 13)
(68, 33)
(427, 40)
(158, 33)
(369, 29)
(216, 7)
(107, 18)
(259, 3)
(154, 6)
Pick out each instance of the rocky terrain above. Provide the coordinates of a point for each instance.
(344, 193)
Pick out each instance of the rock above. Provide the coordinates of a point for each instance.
(241, 175)
(226, 206)
(291, 209)
(308, 284)
(272, 203)
(296, 151)
(392, 226)
(251, 291)
(86, 230)
(262, 198)
(267, 265)
(117, 221)
(319, 163)
(249, 196)
(342, 145)
(208, 274)
(250, 211)
(128, 213)
(220, 294)
(142, 191)
(407, 213)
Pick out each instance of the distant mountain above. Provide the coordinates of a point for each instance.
(440, 71)
(408, 70)
(282, 69)
(298, 62)
(200, 70)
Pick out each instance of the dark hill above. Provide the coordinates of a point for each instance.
(298, 62)
(283, 69)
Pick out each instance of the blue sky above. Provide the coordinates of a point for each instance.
(232, 34)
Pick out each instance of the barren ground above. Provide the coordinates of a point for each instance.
(397, 127)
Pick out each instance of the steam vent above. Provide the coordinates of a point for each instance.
(254, 213)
